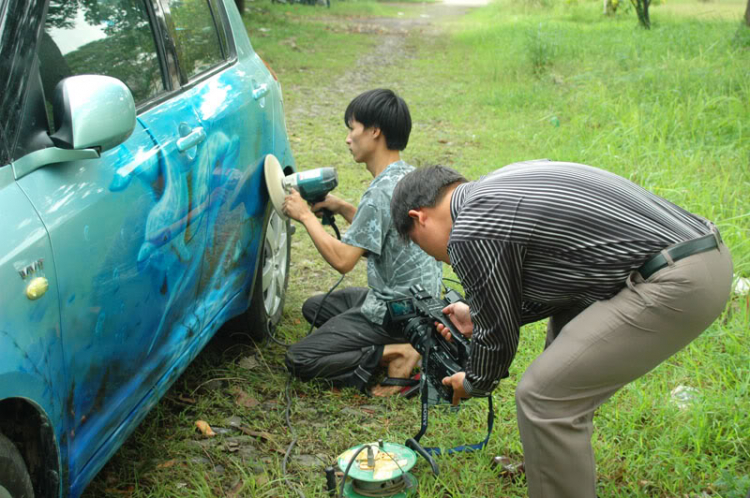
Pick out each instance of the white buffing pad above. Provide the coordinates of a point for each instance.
(275, 183)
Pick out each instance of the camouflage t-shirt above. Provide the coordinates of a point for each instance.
(392, 265)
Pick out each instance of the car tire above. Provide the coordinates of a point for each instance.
(269, 291)
(15, 481)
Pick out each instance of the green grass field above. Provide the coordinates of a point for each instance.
(668, 108)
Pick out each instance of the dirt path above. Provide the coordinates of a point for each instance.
(392, 51)
(314, 104)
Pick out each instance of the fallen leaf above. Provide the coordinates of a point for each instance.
(264, 436)
(244, 399)
(205, 429)
(236, 489)
(167, 464)
(248, 362)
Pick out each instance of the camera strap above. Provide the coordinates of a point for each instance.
(428, 452)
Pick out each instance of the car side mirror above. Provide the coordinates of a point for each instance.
(93, 113)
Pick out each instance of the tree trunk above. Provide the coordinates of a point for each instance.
(747, 14)
(641, 10)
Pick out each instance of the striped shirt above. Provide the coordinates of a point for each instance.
(538, 237)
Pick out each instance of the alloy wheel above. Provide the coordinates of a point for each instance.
(275, 255)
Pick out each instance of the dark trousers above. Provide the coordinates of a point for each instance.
(346, 348)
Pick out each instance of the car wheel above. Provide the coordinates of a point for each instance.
(269, 291)
(14, 477)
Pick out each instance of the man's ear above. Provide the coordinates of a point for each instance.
(376, 133)
(418, 215)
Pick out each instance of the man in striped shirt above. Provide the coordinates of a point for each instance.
(625, 277)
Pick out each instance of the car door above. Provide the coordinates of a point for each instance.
(229, 87)
(123, 228)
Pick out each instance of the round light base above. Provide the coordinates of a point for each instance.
(370, 489)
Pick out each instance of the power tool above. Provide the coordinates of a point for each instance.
(313, 186)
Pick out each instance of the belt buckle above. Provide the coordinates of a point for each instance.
(717, 236)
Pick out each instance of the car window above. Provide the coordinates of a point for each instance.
(109, 37)
(197, 39)
(19, 22)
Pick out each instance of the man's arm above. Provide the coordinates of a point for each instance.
(491, 274)
(340, 256)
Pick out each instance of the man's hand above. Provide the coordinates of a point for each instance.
(295, 206)
(331, 203)
(456, 381)
(336, 206)
(459, 314)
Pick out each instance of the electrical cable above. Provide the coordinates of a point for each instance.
(289, 384)
(294, 440)
(317, 311)
(450, 280)
(271, 334)
(336, 229)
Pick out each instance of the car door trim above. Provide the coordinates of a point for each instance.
(51, 155)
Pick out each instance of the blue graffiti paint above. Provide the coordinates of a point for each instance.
(153, 250)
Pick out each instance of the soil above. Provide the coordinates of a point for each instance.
(392, 50)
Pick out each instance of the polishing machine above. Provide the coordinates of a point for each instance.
(312, 185)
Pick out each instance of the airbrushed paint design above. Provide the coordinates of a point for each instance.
(153, 249)
(191, 277)
(184, 206)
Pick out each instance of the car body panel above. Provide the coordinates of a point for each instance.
(31, 363)
(35, 353)
(148, 250)
(110, 270)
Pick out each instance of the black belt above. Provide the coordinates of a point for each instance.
(678, 252)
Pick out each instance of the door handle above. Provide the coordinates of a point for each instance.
(196, 136)
(260, 91)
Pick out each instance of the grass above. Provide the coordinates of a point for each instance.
(667, 108)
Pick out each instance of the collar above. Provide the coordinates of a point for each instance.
(389, 169)
(458, 198)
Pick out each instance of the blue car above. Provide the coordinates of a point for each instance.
(134, 217)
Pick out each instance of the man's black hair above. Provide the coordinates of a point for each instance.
(382, 109)
(421, 188)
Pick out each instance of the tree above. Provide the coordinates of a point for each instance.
(641, 8)
(747, 14)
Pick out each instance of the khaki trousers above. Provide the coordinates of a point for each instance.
(592, 354)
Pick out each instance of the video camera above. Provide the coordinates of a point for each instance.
(417, 316)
